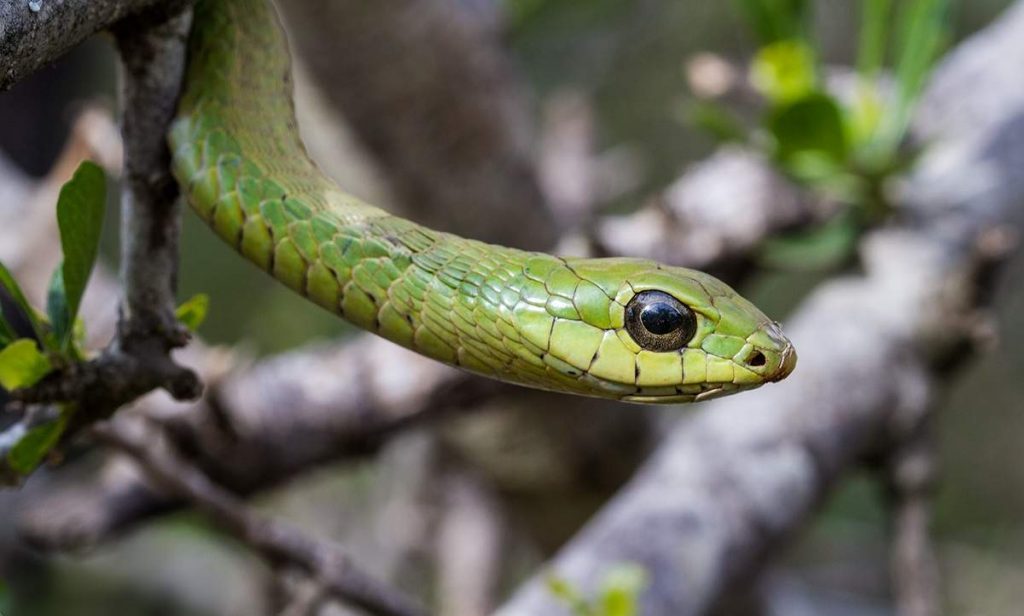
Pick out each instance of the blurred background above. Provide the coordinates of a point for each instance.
(623, 69)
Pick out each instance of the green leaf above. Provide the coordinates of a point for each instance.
(192, 312)
(563, 590)
(922, 28)
(5, 598)
(7, 333)
(871, 47)
(817, 249)
(785, 71)
(22, 365)
(774, 20)
(57, 306)
(29, 452)
(622, 588)
(813, 124)
(717, 121)
(14, 290)
(80, 218)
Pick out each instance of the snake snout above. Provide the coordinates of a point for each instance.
(787, 364)
(781, 354)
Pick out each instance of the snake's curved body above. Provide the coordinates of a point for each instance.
(525, 317)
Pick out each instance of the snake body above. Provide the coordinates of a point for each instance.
(563, 324)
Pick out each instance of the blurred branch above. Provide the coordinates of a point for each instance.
(37, 33)
(914, 561)
(732, 483)
(276, 541)
(338, 401)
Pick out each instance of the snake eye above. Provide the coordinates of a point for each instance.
(659, 322)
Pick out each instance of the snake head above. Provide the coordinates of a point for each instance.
(671, 334)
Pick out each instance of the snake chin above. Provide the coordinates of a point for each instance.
(710, 392)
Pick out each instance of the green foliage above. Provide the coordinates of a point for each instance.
(59, 333)
(785, 70)
(777, 20)
(32, 448)
(5, 599)
(192, 312)
(22, 365)
(811, 125)
(822, 247)
(847, 149)
(14, 290)
(618, 594)
(80, 210)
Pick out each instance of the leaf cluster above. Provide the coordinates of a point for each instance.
(618, 594)
(846, 148)
(54, 339)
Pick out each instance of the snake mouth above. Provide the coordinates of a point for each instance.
(786, 365)
(709, 392)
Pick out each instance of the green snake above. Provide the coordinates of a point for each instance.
(629, 329)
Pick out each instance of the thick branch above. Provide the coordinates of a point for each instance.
(34, 34)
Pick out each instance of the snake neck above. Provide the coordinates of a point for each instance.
(237, 152)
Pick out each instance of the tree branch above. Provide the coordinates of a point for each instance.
(34, 34)
(276, 541)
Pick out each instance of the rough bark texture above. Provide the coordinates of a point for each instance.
(37, 32)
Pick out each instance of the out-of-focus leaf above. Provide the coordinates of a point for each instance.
(14, 290)
(26, 455)
(622, 588)
(785, 71)
(5, 599)
(80, 218)
(564, 591)
(922, 29)
(871, 47)
(7, 334)
(813, 124)
(22, 365)
(864, 116)
(774, 20)
(192, 312)
(718, 121)
(816, 249)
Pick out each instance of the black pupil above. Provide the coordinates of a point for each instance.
(661, 318)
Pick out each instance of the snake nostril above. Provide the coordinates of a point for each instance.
(757, 359)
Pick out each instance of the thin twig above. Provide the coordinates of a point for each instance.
(276, 541)
(915, 567)
(306, 600)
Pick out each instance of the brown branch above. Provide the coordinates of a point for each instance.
(34, 34)
(915, 569)
(276, 541)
